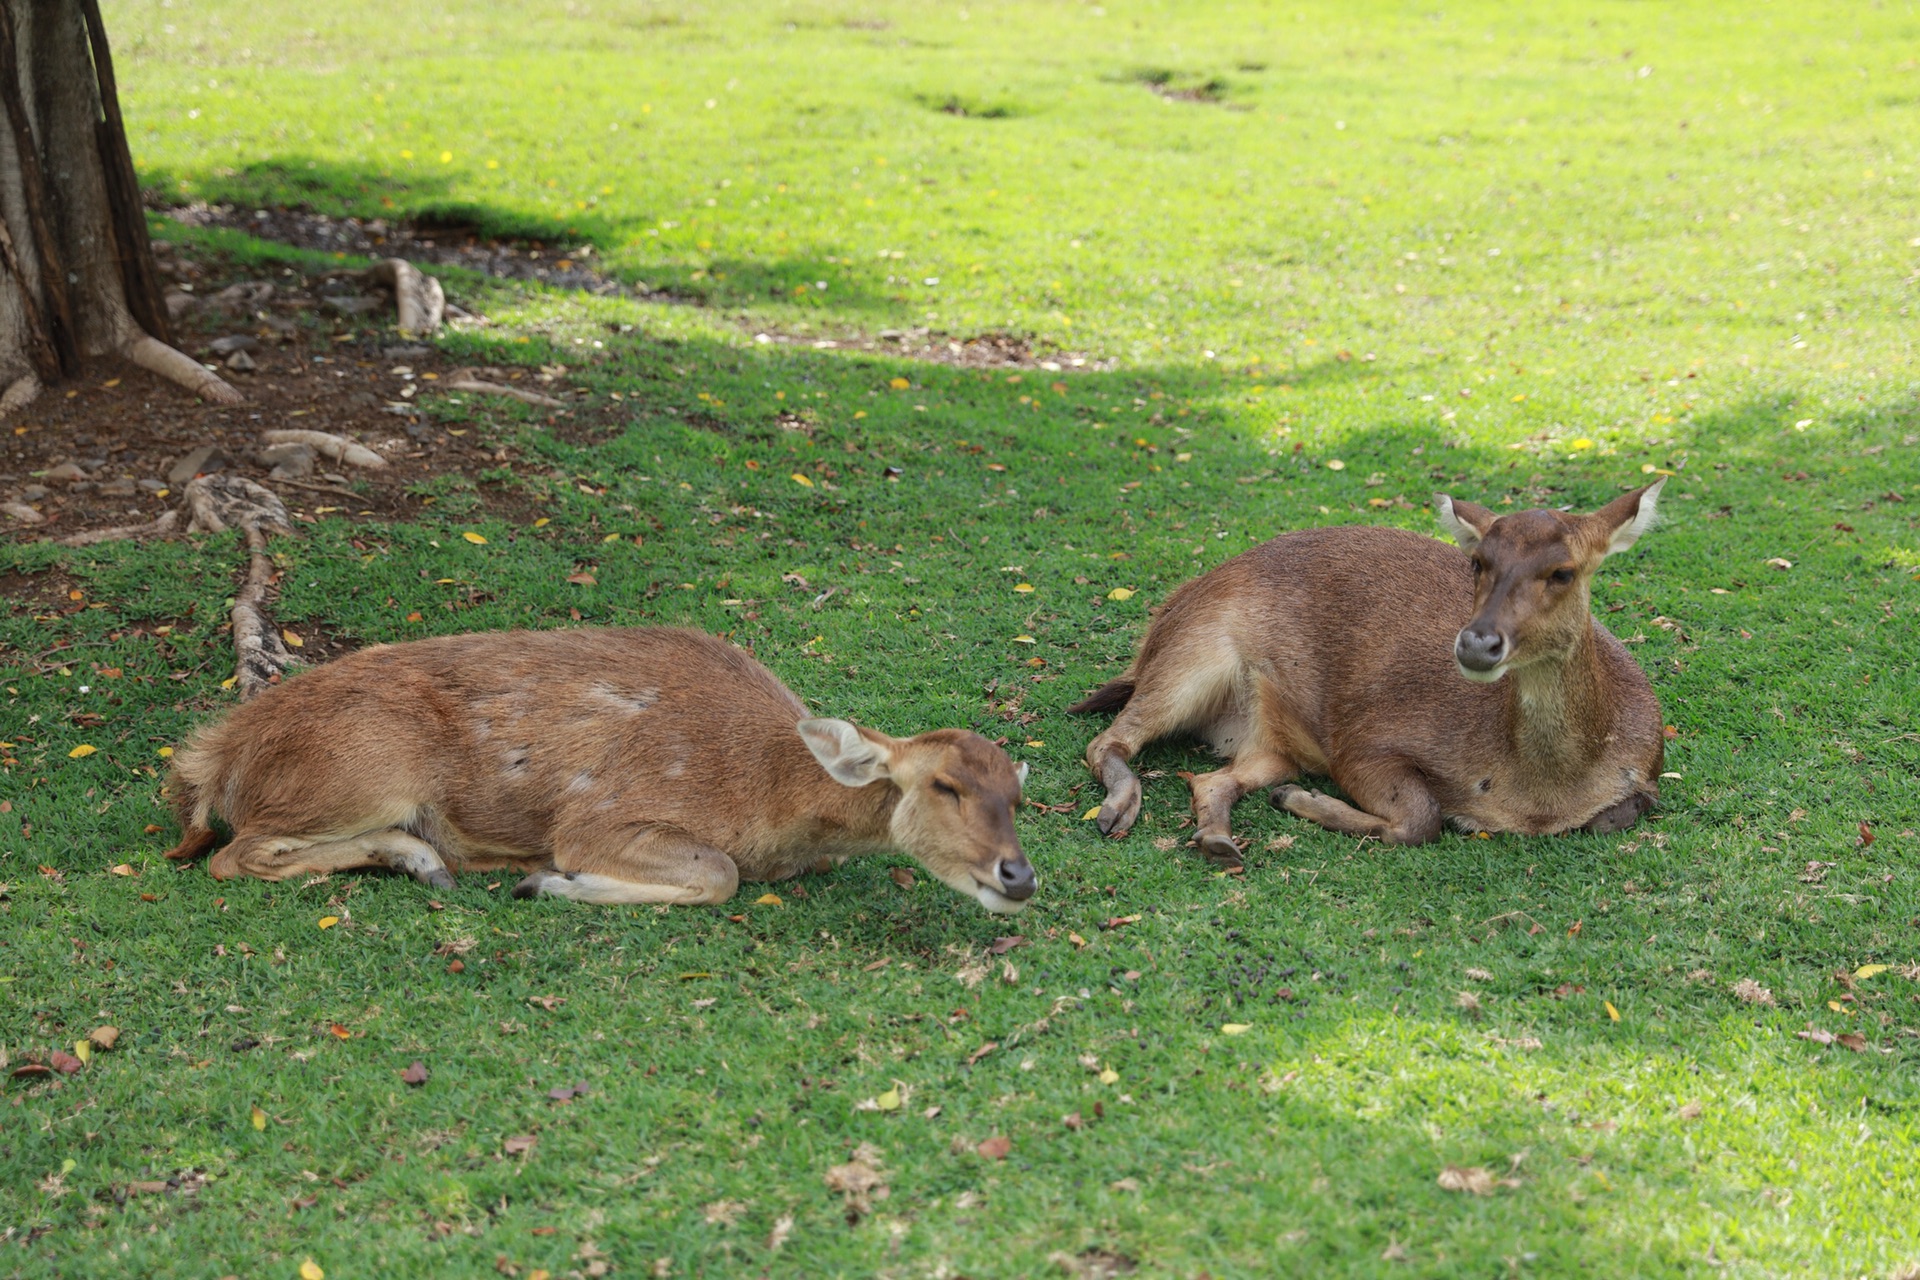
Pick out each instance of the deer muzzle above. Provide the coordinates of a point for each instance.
(1482, 654)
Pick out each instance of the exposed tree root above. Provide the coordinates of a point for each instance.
(464, 380)
(160, 528)
(327, 445)
(21, 393)
(176, 366)
(418, 297)
(222, 502)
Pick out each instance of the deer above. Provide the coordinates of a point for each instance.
(1434, 684)
(617, 765)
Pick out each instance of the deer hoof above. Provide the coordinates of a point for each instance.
(1221, 850)
(438, 878)
(530, 887)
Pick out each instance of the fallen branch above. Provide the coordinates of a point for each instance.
(158, 528)
(327, 445)
(334, 490)
(421, 302)
(464, 380)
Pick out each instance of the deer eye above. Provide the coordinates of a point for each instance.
(1560, 577)
(1478, 566)
(946, 788)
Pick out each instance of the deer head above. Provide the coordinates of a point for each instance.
(1530, 576)
(958, 794)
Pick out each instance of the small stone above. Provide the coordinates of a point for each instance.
(32, 492)
(179, 303)
(21, 512)
(235, 342)
(334, 477)
(196, 462)
(356, 305)
(66, 473)
(275, 454)
(151, 485)
(241, 362)
(122, 488)
(405, 352)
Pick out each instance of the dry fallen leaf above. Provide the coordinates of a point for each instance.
(1479, 975)
(310, 1270)
(519, 1144)
(1235, 1028)
(259, 1118)
(1000, 946)
(1752, 992)
(1854, 1041)
(995, 1148)
(1691, 1111)
(65, 1063)
(81, 752)
(782, 1228)
(122, 869)
(103, 1037)
(767, 900)
(1816, 1035)
(901, 876)
(724, 1213)
(1473, 1179)
(583, 579)
(860, 1180)
(415, 1074)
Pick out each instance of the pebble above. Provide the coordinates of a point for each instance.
(122, 488)
(235, 342)
(32, 492)
(153, 486)
(405, 352)
(22, 512)
(65, 473)
(241, 362)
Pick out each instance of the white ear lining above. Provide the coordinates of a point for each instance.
(846, 754)
(1464, 535)
(1629, 533)
(1021, 770)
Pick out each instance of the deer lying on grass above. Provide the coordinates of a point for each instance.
(645, 765)
(1375, 657)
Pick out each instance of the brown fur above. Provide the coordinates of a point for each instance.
(1332, 651)
(611, 765)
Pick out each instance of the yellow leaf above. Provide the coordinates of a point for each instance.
(1866, 971)
(83, 1050)
(1023, 587)
(1025, 640)
(166, 753)
(890, 1100)
(1611, 1011)
(612, 537)
(122, 869)
(327, 922)
(1121, 593)
(292, 639)
(1109, 1076)
(1035, 742)
(1835, 1006)
(1583, 443)
(1334, 464)
(899, 384)
(1076, 940)
(1235, 1028)
(474, 538)
(81, 751)
(260, 1122)
(1090, 814)
(799, 479)
(228, 682)
(310, 1270)
(767, 900)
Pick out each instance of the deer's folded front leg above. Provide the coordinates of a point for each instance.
(1391, 802)
(652, 864)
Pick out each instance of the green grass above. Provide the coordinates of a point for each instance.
(1643, 325)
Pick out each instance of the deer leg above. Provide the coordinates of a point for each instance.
(652, 865)
(1215, 794)
(1107, 756)
(1407, 812)
(283, 857)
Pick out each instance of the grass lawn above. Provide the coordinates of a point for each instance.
(1320, 261)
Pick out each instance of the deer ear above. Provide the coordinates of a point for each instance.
(849, 756)
(1465, 522)
(1622, 521)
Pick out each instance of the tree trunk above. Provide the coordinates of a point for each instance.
(77, 278)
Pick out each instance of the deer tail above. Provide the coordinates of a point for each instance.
(1110, 696)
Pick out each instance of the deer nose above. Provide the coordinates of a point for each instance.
(1479, 650)
(1016, 877)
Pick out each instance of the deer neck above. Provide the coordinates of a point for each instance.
(1558, 711)
(828, 818)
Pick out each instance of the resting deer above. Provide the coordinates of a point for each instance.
(645, 765)
(1376, 657)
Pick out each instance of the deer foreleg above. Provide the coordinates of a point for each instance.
(652, 865)
(1215, 794)
(1406, 808)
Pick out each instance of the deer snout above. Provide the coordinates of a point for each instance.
(1015, 877)
(1480, 653)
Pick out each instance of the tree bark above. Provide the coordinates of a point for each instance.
(77, 277)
